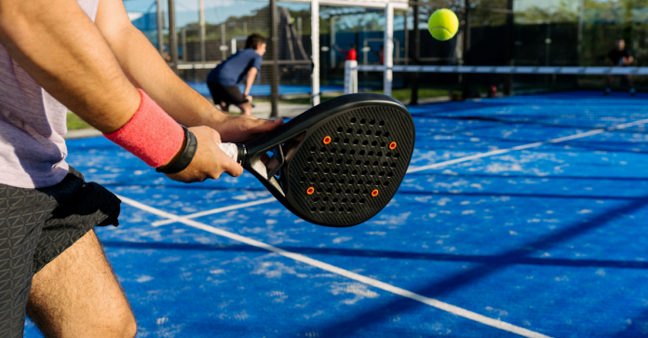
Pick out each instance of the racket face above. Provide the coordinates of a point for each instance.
(350, 165)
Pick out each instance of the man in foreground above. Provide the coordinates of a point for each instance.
(244, 65)
(86, 56)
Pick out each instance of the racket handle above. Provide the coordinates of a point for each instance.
(234, 151)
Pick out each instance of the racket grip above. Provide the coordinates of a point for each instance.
(230, 149)
(235, 151)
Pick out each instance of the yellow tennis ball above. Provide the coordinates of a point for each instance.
(443, 24)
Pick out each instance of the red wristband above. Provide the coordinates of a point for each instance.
(151, 134)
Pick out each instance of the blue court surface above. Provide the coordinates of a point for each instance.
(495, 232)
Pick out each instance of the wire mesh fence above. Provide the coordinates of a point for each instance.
(492, 32)
(211, 31)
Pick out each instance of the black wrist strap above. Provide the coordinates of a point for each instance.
(185, 157)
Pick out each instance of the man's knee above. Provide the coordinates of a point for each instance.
(114, 325)
(246, 108)
(118, 323)
(125, 327)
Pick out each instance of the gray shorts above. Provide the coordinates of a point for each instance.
(37, 225)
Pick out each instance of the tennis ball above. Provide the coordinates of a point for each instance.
(443, 24)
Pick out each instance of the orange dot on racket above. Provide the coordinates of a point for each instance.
(374, 193)
(310, 190)
(327, 140)
(392, 145)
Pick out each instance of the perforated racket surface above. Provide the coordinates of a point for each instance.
(337, 164)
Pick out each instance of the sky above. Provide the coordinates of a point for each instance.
(215, 11)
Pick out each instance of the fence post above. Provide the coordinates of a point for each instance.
(160, 27)
(274, 82)
(389, 49)
(173, 37)
(315, 53)
(201, 32)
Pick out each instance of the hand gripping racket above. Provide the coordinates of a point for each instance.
(337, 164)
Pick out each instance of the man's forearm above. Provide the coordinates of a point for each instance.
(147, 70)
(71, 61)
(249, 81)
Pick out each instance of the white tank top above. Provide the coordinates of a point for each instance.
(32, 125)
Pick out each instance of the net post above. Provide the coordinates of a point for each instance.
(389, 49)
(274, 82)
(350, 77)
(315, 50)
(173, 37)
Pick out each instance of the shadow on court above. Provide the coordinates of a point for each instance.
(486, 260)
(382, 313)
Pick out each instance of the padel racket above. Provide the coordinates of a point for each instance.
(337, 164)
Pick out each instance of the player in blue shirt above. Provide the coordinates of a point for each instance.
(244, 65)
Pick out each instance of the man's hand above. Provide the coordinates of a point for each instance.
(244, 128)
(629, 60)
(210, 161)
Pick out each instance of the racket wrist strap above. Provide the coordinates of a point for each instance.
(186, 156)
(151, 134)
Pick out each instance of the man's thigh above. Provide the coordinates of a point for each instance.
(215, 91)
(77, 295)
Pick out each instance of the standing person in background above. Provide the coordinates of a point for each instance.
(381, 55)
(351, 54)
(244, 65)
(619, 57)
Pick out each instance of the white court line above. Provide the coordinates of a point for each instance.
(345, 273)
(431, 166)
(215, 211)
(524, 146)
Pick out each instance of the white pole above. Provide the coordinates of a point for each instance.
(315, 50)
(389, 49)
(223, 46)
(201, 33)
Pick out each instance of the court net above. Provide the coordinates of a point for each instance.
(573, 97)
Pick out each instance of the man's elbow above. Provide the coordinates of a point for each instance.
(15, 24)
(120, 35)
